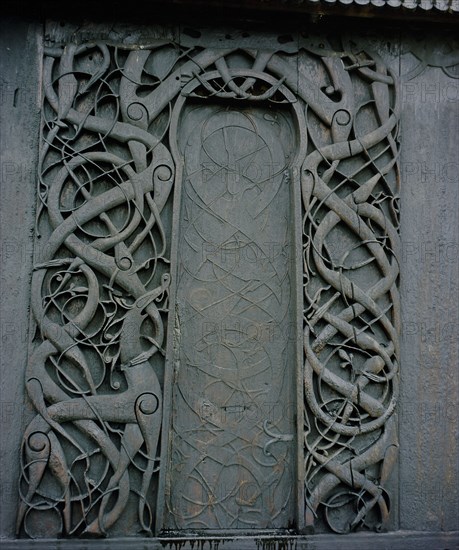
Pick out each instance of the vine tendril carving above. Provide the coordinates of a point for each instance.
(352, 307)
(90, 458)
(99, 300)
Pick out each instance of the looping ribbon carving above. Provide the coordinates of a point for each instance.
(100, 286)
(99, 299)
(351, 319)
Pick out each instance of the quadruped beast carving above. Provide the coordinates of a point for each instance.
(156, 161)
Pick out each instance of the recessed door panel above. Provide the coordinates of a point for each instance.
(233, 444)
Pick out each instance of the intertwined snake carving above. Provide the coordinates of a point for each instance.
(352, 314)
(100, 289)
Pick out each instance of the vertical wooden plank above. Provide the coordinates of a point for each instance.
(297, 266)
(387, 45)
(430, 274)
(233, 456)
(20, 47)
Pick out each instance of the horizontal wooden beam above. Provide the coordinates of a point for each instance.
(401, 540)
(295, 11)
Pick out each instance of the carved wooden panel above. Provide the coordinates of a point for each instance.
(215, 289)
(233, 428)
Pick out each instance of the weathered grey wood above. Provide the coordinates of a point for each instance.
(121, 33)
(402, 540)
(429, 458)
(105, 202)
(233, 404)
(427, 414)
(20, 103)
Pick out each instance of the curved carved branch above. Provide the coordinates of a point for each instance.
(351, 331)
(100, 286)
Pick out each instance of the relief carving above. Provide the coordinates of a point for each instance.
(137, 171)
(352, 305)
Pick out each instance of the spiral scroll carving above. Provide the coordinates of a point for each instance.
(91, 457)
(99, 300)
(352, 307)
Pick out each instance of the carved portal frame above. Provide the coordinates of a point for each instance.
(103, 121)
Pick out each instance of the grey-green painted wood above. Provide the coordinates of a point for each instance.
(429, 203)
(20, 104)
(428, 411)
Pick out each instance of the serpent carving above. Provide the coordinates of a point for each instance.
(92, 457)
(352, 306)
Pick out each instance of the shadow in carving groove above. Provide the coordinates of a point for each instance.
(100, 290)
(233, 430)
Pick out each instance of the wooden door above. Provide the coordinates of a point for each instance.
(215, 305)
(234, 441)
